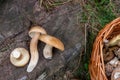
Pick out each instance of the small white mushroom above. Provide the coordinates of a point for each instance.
(34, 33)
(19, 57)
(116, 74)
(50, 43)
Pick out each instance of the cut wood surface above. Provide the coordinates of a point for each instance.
(17, 17)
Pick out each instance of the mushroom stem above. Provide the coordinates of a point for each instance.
(34, 52)
(47, 51)
(16, 54)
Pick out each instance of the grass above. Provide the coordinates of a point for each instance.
(96, 14)
(50, 4)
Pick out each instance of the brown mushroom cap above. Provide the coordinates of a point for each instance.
(108, 69)
(114, 41)
(52, 41)
(108, 56)
(116, 74)
(19, 57)
(46, 38)
(36, 29)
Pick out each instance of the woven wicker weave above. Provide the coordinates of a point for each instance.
(96, 66)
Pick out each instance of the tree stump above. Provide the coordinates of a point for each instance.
(17, 17)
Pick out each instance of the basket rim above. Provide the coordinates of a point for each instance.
(96, 60)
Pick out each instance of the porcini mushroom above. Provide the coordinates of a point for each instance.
(114, 62)
(50, 43)
(111, 65)
(114, 41)
(108, 69)
(34, 33)
(108, 56)
(19, 57)
(116, 74)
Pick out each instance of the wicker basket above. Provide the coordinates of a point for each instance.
(96, 66)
